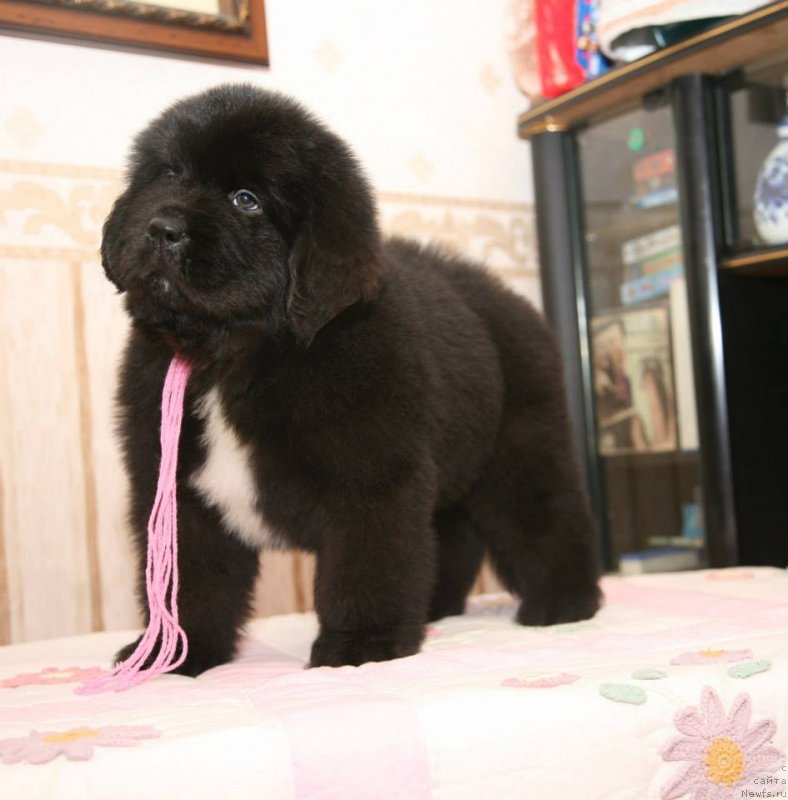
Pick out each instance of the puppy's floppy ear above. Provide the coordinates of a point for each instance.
(335, 259)
(112, 241)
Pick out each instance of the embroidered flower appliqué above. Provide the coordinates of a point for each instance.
(722, 751)
(76, 744)
(51, 675)
(711, 656)
(540, 680)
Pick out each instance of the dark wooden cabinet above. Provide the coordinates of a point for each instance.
(664, 262)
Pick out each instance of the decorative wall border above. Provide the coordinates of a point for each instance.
(55, 211)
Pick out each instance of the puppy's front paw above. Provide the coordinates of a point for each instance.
(351, 648)
(197, 661)
(125, 653)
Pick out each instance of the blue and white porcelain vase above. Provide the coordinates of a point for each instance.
(771, 192)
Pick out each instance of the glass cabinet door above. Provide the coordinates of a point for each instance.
(644, 397)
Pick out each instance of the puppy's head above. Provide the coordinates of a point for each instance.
(241, 208)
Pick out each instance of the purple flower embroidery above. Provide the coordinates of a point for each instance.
(76, 744)
(51, 675)
(540, 680)
(722, 751)
(711, 656)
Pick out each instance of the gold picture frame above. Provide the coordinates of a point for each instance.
(237, 33)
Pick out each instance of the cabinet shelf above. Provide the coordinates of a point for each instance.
(763, 262)
(636, 223)
(646, 459)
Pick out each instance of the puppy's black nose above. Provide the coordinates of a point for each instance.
(170, 231)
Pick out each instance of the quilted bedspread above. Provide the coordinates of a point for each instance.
(677, 688)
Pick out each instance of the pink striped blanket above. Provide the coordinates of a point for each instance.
(678, 688)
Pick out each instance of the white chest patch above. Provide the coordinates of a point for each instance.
(225, 480)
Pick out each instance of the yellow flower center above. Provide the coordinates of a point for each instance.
(724, 761)
(712, 653)
(70, 736)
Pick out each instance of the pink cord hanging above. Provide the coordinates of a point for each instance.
(162, 568)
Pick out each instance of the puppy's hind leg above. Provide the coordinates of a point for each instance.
(534, 516)
(459, 556)
(216, 582)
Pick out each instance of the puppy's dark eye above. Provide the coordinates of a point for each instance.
(245, 201)
(169, 172)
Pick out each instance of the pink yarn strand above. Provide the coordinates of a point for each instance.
(161, 571)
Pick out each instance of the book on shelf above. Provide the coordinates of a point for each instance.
(682, 542)
(661, 559)
(665, 196)
(651, 263)
(654, 167)
(654, 179)
(654, 264)
(633, 381)
(651, 244)
(651, 285)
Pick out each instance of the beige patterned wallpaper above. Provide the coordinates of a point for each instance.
(64, 554)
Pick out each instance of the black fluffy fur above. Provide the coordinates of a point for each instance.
(405, 411)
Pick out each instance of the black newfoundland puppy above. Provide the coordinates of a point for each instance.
(394, 410)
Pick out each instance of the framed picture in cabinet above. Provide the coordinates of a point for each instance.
(633, 381)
